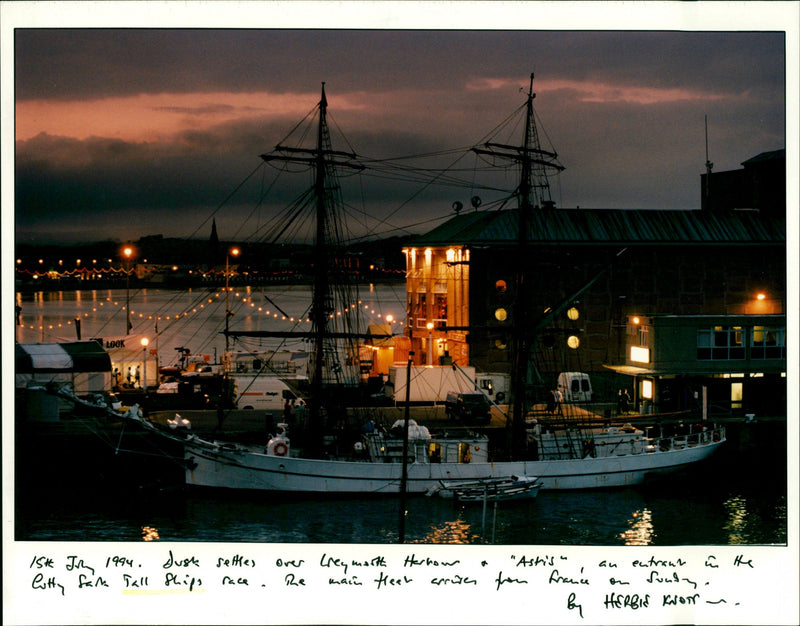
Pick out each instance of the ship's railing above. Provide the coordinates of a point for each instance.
(572, 445)
(704, 437)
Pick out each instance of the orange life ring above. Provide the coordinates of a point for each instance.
(280, 449)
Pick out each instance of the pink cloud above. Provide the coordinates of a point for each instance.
(591, 91)
(153, 116)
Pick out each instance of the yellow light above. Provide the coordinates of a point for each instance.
(573, 313)
(573, 342)
(761, 296)
(390, 318)
(144, 342)
(635, 320)
(235, 251)
(501, 315)
(429, 325)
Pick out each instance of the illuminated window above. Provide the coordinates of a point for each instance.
(647, 389)
(736, 395)
(767, 343)
(640, 355)
(643, 332)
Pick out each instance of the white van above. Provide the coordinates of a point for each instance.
(263, 393)
(575, 386)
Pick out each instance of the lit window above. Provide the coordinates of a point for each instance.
(767, 343)
(640, 355)
(647, 389)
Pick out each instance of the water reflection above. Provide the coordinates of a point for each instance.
(457, 531)
(150, 534)
(736, 524)
(640, 532)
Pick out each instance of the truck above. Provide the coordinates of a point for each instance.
(429, 383)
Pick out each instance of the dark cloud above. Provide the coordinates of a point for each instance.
(624, 110)
(63, 63)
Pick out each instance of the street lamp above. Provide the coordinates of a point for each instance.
(144, 343)
(127, 252)
(232, 252)
(429, 326)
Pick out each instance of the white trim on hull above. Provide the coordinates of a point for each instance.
(247, 469)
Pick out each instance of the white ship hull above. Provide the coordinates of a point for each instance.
(209, 465)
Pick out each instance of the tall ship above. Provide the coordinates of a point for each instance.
(405, 456)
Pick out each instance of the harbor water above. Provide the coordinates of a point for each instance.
(738, 497)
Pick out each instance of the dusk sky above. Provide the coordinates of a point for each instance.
(121, 133)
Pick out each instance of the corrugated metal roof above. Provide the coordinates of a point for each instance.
(611, 226)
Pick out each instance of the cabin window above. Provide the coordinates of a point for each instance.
(435, 453)
(463, 453)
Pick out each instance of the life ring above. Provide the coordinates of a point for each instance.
(280, 449)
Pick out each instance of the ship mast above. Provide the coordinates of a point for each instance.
(535, 164)
(324, 161)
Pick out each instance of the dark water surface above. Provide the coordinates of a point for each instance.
(732, 499)
(738, 497)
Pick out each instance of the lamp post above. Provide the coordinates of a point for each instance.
(144, 343)
(429, 326)
(231, 252)
(127, 252)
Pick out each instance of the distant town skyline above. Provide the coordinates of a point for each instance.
(125, 133)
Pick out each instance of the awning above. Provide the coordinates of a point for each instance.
(72, 356)
(631, 370)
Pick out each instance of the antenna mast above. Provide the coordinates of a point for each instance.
(709, 165)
